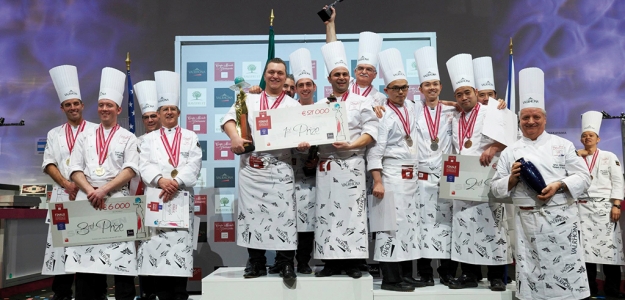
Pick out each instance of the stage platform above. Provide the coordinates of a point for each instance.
(229, 284)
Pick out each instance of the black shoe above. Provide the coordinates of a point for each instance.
(427, 280)
(414, 282)
(398, 287)
(287, 272)
(497, 285)
(275, 269)
(445, 279)
(463, 282)
(353, 272)
(304, 269)
(363, 267)
(327, 271)
(61, 297)
(256, 270)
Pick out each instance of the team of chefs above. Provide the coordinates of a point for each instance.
(315, 200)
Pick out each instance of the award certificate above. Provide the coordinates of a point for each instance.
(318, 124)
(465, 179)
(173, 214)
(77, 223)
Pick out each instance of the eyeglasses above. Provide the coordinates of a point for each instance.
(368, 69)
(154, 116)
(398, 88)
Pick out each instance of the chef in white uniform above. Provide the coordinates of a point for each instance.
(480, 234)
(341, 227)
(170, 160)
(549, 259)
(434, 133)
(484, 79)
(304, 165)
(61, 141)
(145, 91)
(104, 160)
(369, 45)
(600, 210)
(393, 164)
(267, 217)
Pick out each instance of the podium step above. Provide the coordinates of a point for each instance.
(439, 292)
(229, 284)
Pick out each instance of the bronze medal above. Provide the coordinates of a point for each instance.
(408, 140)
(468, 144)
(435, 140)
(174, 173)
(592, 177)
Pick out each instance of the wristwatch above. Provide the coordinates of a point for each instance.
(617, 206)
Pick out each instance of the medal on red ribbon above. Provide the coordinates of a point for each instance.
(264, 104)
(405, 121)
(433, 125)
(173, 150)
(593, 161)
(102, 146)
(466, 127)
(70, 138)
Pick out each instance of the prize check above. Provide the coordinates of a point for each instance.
(465, 179)
(318, 124)
(173, 214)
(77, 223)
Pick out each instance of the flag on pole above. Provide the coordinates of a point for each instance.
(271, 51)
(510, 90)
(131, 97)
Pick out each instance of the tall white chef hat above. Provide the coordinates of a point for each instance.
(334, 55)
(167, 88)
(369, 45)
(392, 65)
(531, 88)
(301, 64)
(591, 121)
(146, 94)
(460, 68)
(483, 71)
(112, 85)
(427, 66)
(65, 80)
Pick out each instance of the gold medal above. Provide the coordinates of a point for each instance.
(408, 140)
(468, 144)
(67, 162)
(174, 173)
(99, 171)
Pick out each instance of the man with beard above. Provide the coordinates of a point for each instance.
(479, 229)
(104, 160)
(549, 258)
(56, 160)
(341, 230)
(266, 184)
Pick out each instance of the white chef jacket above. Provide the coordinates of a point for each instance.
(556, 160)
(607, 181)
(361, 120)
(57, 151)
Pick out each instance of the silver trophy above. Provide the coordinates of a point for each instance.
(326, 13)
